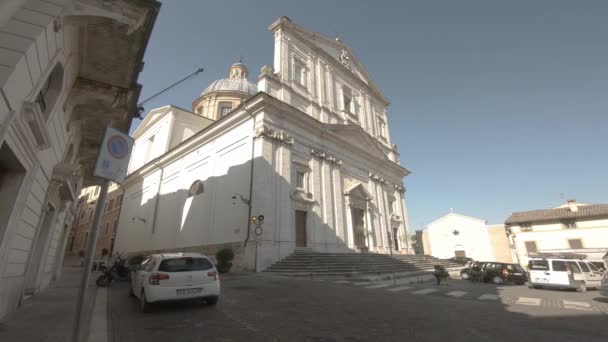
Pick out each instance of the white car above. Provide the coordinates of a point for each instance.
(174, 277)
(564, 273)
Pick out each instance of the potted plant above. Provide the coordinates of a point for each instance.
(224, 259)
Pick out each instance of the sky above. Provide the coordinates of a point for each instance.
(496, 106)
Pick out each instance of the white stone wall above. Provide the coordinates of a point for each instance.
(207, 219)
(320, 94)
(30, 47)
(472, 237)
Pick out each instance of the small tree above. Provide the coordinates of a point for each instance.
(136, 259)
(224, 259)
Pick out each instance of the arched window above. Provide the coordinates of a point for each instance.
(196, 188)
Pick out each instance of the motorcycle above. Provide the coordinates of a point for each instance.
(119, 271)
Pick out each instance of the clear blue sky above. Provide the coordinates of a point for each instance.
(496, 106)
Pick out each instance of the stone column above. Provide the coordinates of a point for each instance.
(339, 207)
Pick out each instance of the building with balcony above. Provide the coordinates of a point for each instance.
(68, 69)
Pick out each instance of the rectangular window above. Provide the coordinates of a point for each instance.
(575, 244)
(149, 149)
(559, 266)
(185, 265)
(382, 128)
(573, 266)
(531, 247)
(225, 110)
(347, 99)
(299, 72)
(300, 175)
(538, 265)
(584, 266)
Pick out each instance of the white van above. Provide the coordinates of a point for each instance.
(564, 273)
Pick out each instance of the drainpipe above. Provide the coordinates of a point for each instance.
(249, 200)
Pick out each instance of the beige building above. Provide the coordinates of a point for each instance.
(499, 243)
(85, 209)
(68, 68)
(572, 228)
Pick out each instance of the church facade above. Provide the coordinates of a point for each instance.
(308, 148)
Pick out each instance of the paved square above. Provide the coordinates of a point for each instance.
(488, 296)
(528, 301)
(425, 291)
(569, 304)
(399, 288)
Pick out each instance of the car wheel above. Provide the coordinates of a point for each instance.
(212, 300)
(497, 280)
(144, 305)
(464, 276)
(582, 287)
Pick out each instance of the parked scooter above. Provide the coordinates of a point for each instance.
(119, 271)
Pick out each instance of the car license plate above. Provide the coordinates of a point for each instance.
(517, 274)
(188, 291)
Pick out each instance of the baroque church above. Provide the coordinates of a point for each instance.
(307, 152)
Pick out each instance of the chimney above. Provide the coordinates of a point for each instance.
(572, 205)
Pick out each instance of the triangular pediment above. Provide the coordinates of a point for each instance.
(153, 116)
(355, 136)
(359, 191)
(337, 50)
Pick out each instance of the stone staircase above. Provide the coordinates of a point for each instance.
(305, 263)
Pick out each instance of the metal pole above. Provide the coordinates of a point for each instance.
(90, 249)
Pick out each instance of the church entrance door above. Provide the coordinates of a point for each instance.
(358, 227)
(396, 237)
(461, 254)
(301, 228)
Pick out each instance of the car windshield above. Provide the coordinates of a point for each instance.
(514, 268)
(592, 267)
(185, 264)
(538, 265)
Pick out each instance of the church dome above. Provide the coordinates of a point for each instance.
(231, 84)
(236, 82)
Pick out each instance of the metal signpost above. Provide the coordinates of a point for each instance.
(112, 164)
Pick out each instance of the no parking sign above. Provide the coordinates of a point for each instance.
(113, 158)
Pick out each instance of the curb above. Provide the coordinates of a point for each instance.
(99, 321)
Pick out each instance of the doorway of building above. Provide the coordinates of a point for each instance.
(12, 174)
(396, 238)
(358, 227)
(301, 228)
(462, 254)
(37, 258)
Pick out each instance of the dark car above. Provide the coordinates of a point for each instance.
(461, 260)
(496, 272)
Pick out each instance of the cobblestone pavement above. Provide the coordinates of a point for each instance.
(507, 294)
(261, 308)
